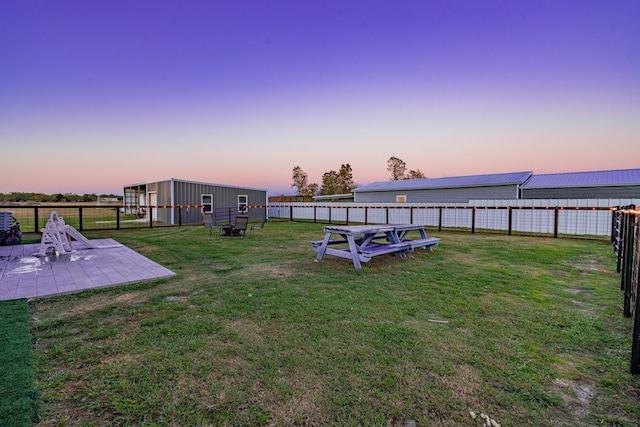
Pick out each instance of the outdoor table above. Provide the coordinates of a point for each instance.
(366, 241)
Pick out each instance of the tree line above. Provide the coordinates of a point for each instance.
(341, 181)
(54, 198)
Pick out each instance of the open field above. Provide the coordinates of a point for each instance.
(528, 331)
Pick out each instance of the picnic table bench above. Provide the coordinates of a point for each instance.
(366, 241)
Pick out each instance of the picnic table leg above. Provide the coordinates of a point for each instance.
(353, 248)
(395, 238)
(323, 247)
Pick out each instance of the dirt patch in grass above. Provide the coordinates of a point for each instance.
(465, 385)
(93, 303)
(577, 396)
(121, 359)
(215, 266)
(591, 263)
(244, 328)
(274, 271)
(305, 402)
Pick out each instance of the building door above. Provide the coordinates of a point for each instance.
(153, 201)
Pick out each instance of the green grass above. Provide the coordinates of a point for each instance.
(18, 396)
(252, 331)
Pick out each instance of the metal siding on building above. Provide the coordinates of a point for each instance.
(190, 193)
(163, 189)
(440, 195)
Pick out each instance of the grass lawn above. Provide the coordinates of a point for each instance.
(18, 397)
(528, 331)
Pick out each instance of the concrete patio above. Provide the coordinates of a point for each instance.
(24, 274)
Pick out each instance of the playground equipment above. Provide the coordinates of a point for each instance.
(56, 237)
(10, 233)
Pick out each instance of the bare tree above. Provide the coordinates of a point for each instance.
(397, 168)
(299, 180)
(414, 174)
(312, 189)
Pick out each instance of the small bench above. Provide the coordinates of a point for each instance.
(428, 243)
(318, 243)
(386, 249)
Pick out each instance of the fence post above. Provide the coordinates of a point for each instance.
(150, 213)
(180, 215)
(556, 214)
(627, 266)
(473, 220)
(347, 215)
(635, 345)
(291, 213)
(80, 219)
(410, 214)
(315, 214)
(35, 218)
(366, 215)
(622, 225)
(387, 213)
(510, 220)
(440, 219)
(117, 218)
(330, 210)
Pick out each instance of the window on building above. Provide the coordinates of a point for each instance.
(207, 203)
(401, 199)
(243, 201)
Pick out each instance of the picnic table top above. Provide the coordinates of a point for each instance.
(372, 228)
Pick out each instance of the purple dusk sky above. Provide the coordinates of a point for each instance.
(95, 95)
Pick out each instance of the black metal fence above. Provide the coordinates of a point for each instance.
(91, 217)
(591, 222)
(627, 248)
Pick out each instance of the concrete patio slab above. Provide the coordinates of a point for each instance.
(24, 274)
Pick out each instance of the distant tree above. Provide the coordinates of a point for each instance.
(329, 183)
(414, 174)
(299, 180)
(397, 168)
(300, 183)
(340, 182)
(312, 189)
(346, 179)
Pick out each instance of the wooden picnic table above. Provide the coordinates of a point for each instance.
(362, 242)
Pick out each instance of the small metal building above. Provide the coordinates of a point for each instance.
(458, 189)
(165, 196)
(611, 184)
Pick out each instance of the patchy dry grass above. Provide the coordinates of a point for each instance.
(523, 331)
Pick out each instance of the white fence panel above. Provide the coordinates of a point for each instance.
(527, 215)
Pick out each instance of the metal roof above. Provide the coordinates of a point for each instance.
(213, 184)
(585, 179)
(513, 178)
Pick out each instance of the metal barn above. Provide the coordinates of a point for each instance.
(611, 184)
(162, 198)
(444, 190)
